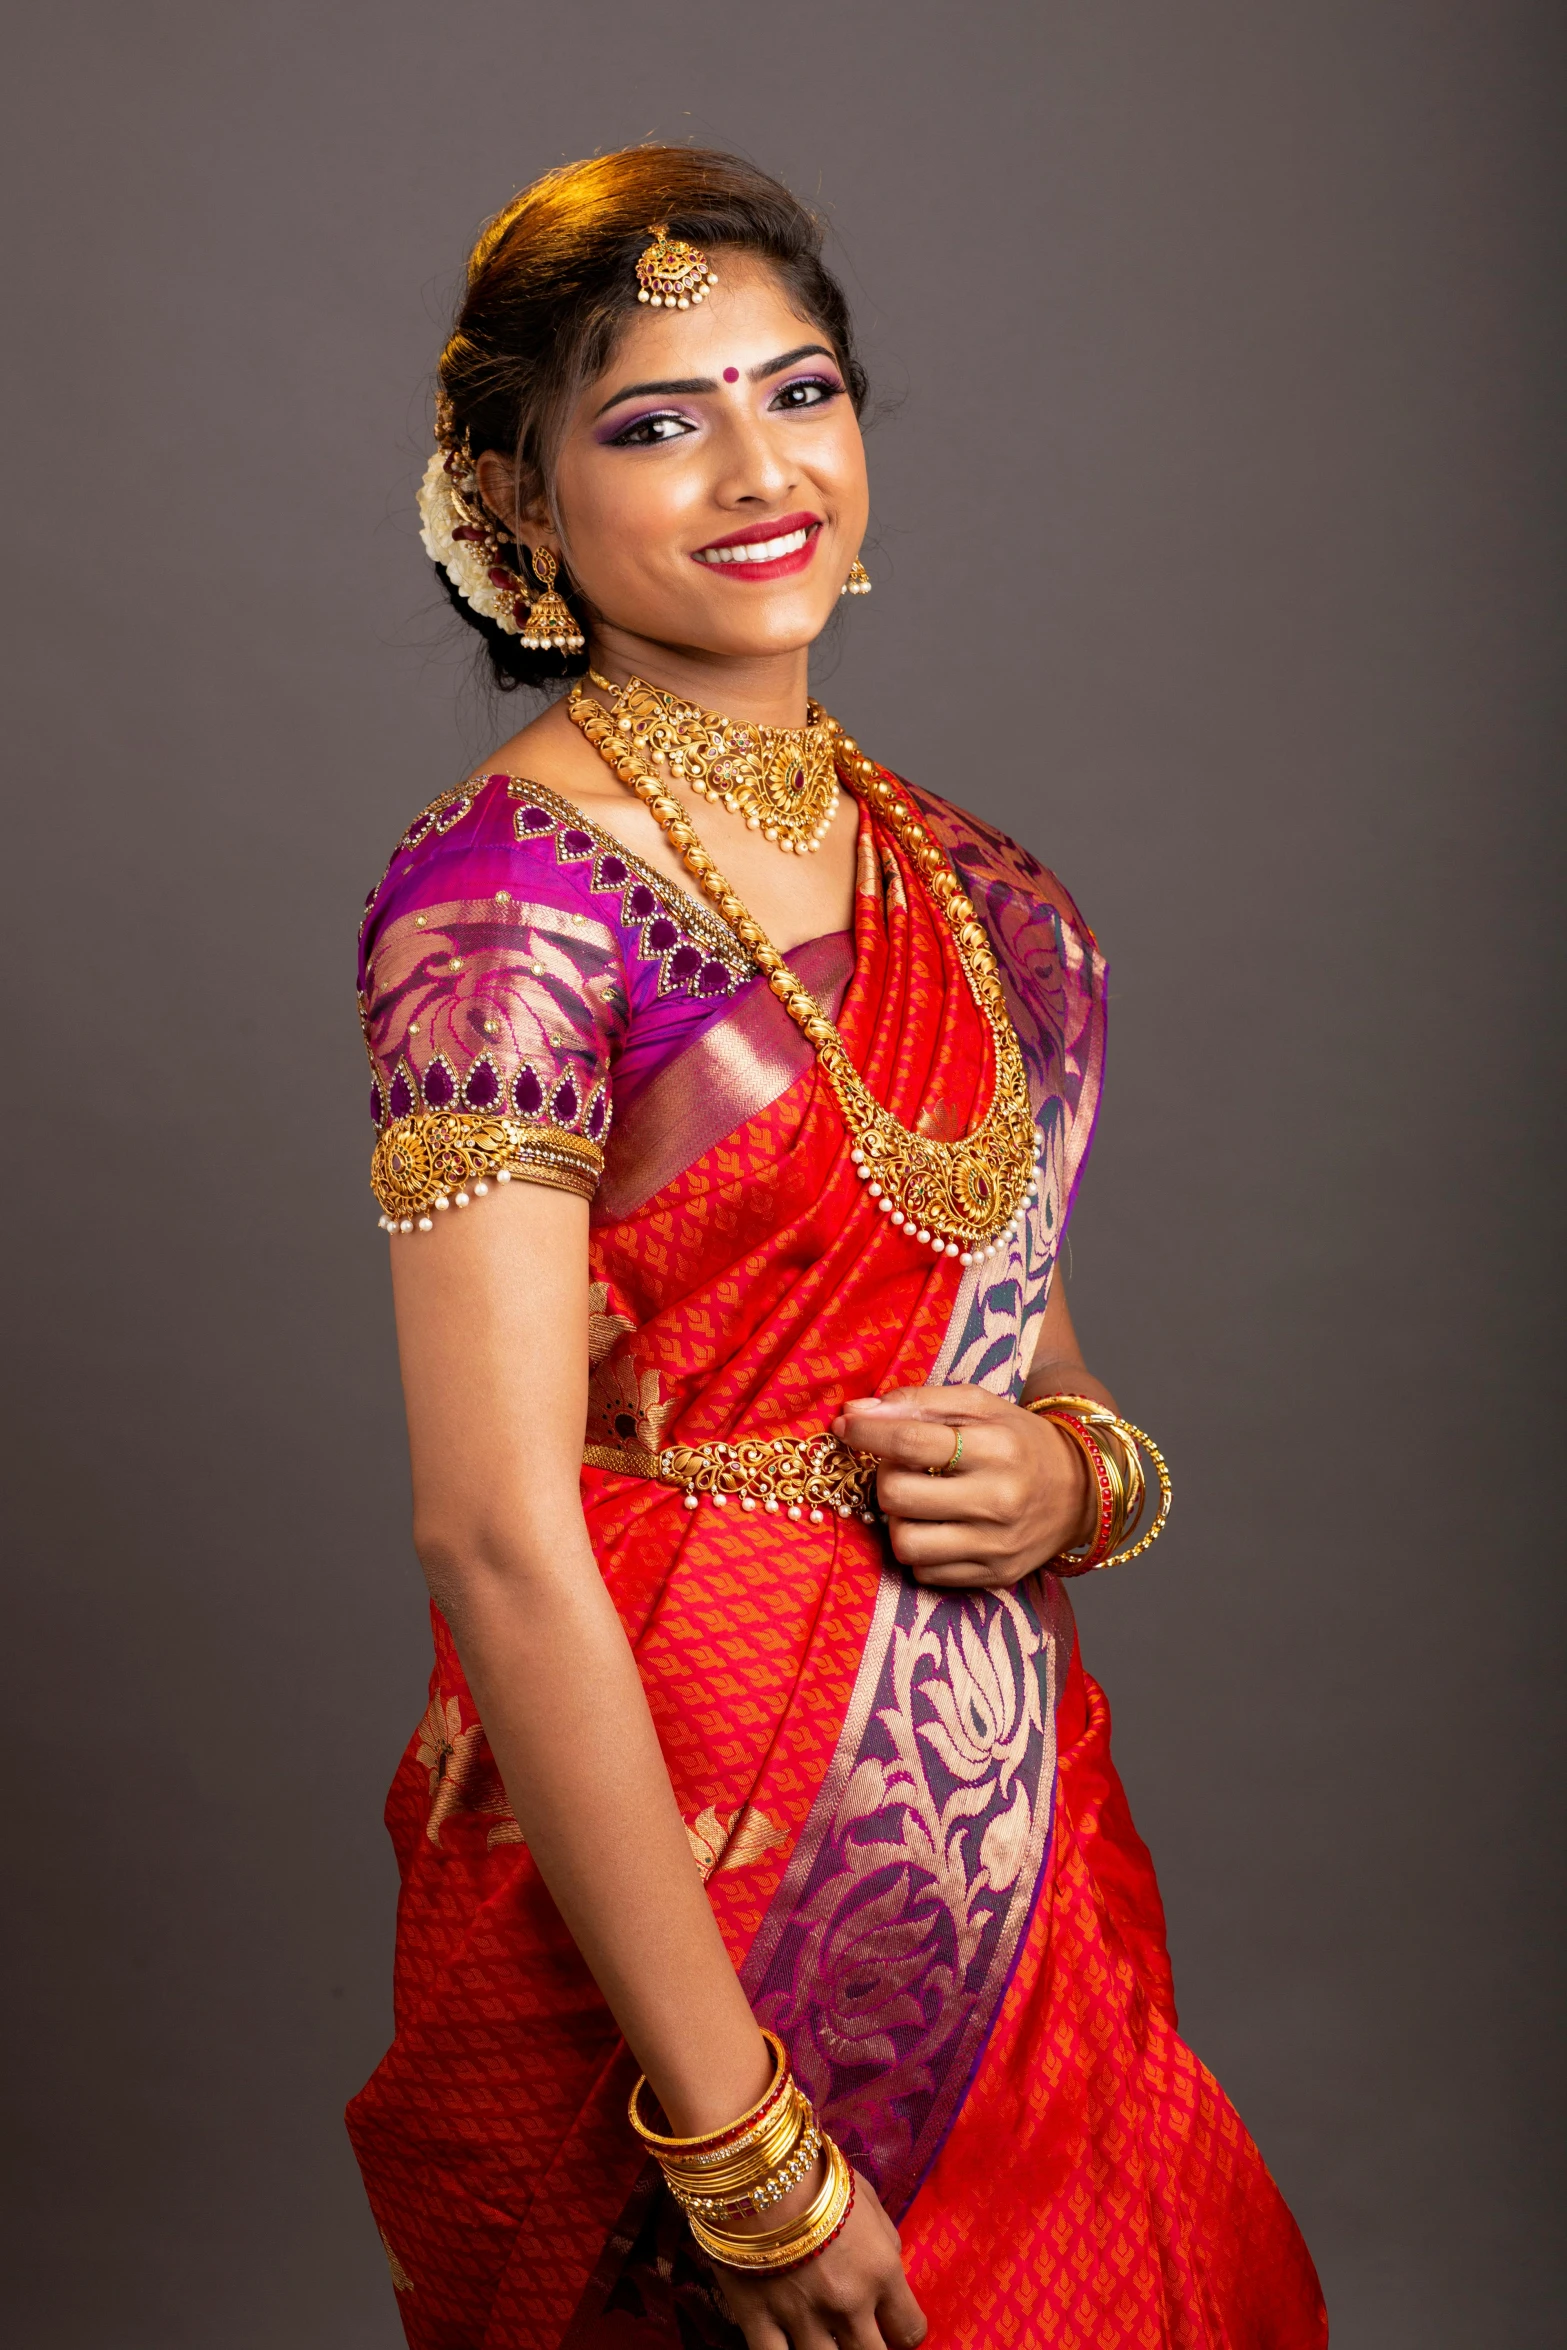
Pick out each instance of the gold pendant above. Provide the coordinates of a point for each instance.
(781, 779)
(960, 1199)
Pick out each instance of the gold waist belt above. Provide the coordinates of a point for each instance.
(809, 1477)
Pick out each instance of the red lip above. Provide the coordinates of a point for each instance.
(757, 574)
(764, 530)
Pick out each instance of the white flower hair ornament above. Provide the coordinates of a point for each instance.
(460, 534)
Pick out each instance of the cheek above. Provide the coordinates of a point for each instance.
(623, 522)
(838, 466)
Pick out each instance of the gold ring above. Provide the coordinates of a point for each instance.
(947, 1468)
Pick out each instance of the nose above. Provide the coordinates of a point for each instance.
(754, 466)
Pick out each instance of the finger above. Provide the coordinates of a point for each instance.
(761, 2331)
(814, 2330)
(900, 2317)
(964, 1575)
(913, 1443)
(860, 2332)
(937, 1542)
(982, 1496)
(946, 1556)
(943, 1403)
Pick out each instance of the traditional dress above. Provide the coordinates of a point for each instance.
(902, 1800)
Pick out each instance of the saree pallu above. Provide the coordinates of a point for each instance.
(901, 1800)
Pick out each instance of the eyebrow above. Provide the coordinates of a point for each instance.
(706, 383)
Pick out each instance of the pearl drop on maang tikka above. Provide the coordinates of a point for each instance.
(671, 274)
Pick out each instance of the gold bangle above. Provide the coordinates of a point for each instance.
(800, 2240)
(752, 2162)
(713, 2144)
(1145, 1444)
(1131, 1444)
(1105, 1422)
(1105, 1483)
(758, 2193)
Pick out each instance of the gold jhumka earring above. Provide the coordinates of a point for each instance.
(552, 625)
(858, 582)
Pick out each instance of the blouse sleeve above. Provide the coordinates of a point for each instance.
(492, 998)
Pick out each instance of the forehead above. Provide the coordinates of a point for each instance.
(747, 318)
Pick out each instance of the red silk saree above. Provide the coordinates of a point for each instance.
(902, 1801)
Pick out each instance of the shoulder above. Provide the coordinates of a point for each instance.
(501, 846)
(464, 845)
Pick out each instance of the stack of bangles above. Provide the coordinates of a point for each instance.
(1112, 1448)
(750, 2166)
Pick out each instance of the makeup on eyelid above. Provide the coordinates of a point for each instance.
(614, 428)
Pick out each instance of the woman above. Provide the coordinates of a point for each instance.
(765, 1081)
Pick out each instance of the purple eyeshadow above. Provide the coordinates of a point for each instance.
(611, 427)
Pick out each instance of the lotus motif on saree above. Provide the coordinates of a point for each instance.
(883, 1957)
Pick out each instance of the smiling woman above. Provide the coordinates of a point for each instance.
(765, 1871)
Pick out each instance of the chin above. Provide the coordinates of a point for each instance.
(771, 624)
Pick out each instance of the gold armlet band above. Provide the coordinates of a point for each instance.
(438, 1159)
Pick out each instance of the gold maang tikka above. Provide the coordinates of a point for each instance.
(671, 274)
(782, 779)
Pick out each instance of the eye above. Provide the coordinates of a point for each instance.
(648, 431)
(807, 391)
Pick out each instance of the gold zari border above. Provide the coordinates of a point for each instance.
(812, 1477)
(435, 1158)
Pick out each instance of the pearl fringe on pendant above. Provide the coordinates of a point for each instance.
(937, 1242)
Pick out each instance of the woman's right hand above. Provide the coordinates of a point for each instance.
(854, 2294)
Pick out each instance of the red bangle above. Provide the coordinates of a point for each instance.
(1078, 1562)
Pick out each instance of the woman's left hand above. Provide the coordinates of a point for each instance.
(1017, 1496)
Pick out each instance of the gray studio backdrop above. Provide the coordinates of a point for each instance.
(1216, 545)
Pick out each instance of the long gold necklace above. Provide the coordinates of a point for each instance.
(959, 1199)
(781, 779)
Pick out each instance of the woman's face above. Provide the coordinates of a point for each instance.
(710, 491)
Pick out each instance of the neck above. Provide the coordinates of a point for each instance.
(765, 689)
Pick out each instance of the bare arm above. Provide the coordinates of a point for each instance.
(492, 1328)
(1058, 1367)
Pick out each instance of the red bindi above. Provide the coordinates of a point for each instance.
(731, 375)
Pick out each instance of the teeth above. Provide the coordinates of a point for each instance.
(757, 551)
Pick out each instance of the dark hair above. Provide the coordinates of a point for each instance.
(551, 283)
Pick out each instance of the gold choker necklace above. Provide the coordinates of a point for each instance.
(961, 1199)
(781, 779)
